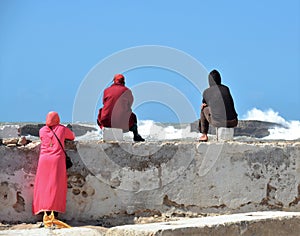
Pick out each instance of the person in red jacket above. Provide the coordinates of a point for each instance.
(116, 111)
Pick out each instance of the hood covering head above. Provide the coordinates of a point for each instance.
(119, 79)
(52, 119)
(214, 78)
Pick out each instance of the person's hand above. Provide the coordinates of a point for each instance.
(70, 127)
(203, 105)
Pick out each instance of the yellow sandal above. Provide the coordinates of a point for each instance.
(50, 221)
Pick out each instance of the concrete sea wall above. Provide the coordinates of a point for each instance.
(112, 183)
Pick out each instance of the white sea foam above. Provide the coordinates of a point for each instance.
(151, 131)
(157, 131)
(289, 130)
(9, 130)
(154, 131)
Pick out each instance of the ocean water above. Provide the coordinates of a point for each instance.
(289, 130)
(155, 131)
(151, 131)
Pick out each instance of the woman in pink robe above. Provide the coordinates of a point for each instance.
(50, 188)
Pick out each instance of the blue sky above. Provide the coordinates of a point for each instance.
(47, 48)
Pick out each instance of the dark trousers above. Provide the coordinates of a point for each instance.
(206, 119)
(134, 127)
(55, 213)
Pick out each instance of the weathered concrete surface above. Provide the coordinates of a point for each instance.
(112, 183)
(76, 231)
(255, 223)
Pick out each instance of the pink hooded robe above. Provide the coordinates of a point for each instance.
(50, 188)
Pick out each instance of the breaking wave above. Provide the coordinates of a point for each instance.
(289, 130)
(155, 131)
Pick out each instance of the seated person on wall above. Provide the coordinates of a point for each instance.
(116, 111)
(217, 106)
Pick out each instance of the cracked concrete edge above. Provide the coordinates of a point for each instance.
(253, 223)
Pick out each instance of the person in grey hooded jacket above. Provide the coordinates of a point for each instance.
(217, 106)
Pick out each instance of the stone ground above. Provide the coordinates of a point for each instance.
(275, 223)
(137, 220)
(24, 227)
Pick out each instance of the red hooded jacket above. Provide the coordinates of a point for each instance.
(116, 111)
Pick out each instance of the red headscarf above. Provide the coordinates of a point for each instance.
(119, 79)
(52, 119)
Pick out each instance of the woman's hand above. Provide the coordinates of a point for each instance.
(203, 105)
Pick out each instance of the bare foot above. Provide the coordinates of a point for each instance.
(203, 138)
